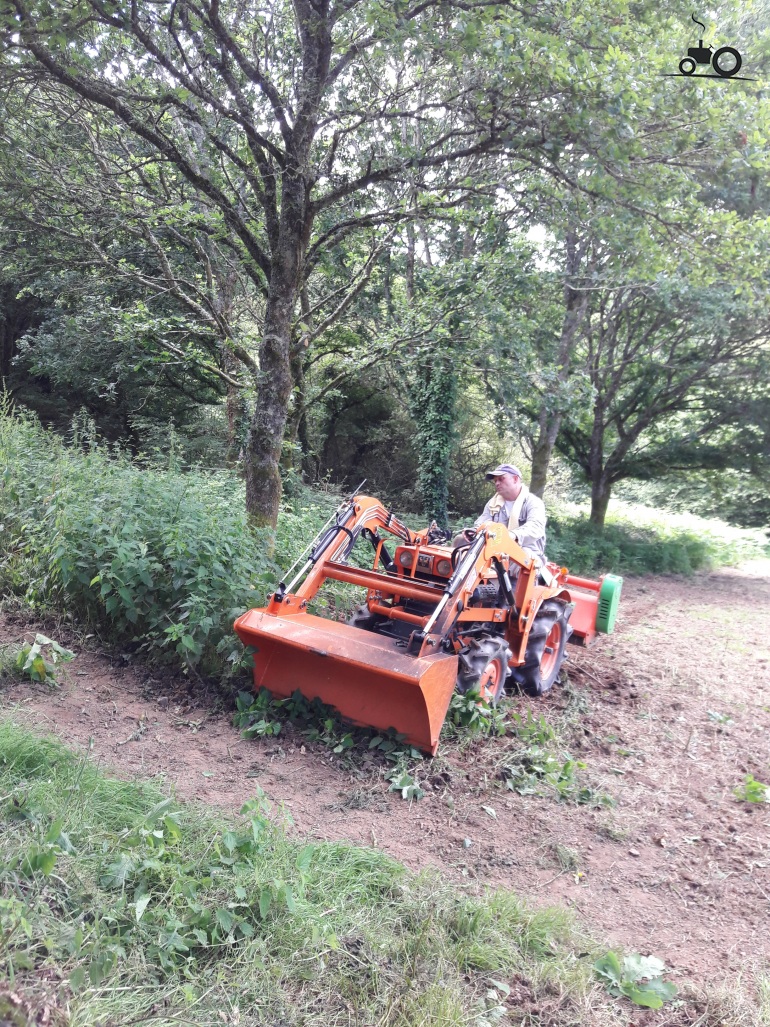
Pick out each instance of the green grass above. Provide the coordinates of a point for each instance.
(121, 905)
(640, 540)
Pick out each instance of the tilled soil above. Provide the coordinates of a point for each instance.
(669, 714)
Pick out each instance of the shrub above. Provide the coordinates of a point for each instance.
(156, 557)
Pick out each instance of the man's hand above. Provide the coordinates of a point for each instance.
(464, 537)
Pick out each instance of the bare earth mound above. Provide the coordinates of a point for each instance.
(669, 715)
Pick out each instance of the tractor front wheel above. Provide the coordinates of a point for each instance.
(484, 667)
(545, 648)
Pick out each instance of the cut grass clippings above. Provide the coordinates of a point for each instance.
(119, 904)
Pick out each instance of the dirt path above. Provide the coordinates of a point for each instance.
(668, 714)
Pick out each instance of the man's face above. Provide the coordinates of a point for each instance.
(508, 486)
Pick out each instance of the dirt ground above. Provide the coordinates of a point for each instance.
(668, 715)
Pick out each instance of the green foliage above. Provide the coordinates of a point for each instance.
(740, 497)
(362, 429)
(155, 201)
(470, 715)
(405, 783)
(752, 790)
(657, 401)
(537, 763)
(253, 714)
(38, 660)
(638, 978)
(155, 558)
(263, 716)
(133, 898)
(638, 540)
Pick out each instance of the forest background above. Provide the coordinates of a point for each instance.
(401, 241)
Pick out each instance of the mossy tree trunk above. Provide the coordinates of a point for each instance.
(435, 404)
(601, 491)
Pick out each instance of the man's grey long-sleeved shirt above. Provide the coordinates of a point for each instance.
(530, 533)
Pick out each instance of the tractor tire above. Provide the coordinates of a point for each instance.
(484, 668)
(545, 648)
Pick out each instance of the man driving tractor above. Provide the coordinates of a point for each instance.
(513, 504)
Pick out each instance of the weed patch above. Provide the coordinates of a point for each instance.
(263, 716)
(154, 559)
(752, 790)
(121, 904)
(638, 978)
(470, 716)
(536, 764)
(37, 661)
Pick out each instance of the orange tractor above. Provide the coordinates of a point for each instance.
(434, 619)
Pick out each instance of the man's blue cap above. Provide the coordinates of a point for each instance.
(503, 469)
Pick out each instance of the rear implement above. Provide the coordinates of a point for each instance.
(431, 619)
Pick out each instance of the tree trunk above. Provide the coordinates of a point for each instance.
(6, 350)
(297, 427)
(549, 421)
(596, 467)
(297, 431)
(265, 440)
(409, 283)
(600, 498)
(542, 450)
(17, 316)
(435, 401)
(387, 273)
(236, 410)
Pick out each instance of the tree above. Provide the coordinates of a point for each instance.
(300, 124)
(90, 212)
(656, 357)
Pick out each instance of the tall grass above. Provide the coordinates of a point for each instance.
(153, 556)
(124, 906)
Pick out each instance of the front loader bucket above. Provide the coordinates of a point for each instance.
(367, 677)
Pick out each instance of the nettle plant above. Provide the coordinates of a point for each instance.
(638, 978)
(752, 790)
(261, 716)
(38, 660)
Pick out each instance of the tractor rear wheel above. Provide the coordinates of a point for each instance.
(483, 668)
(545, 648)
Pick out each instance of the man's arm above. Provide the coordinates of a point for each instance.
(532, 531)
